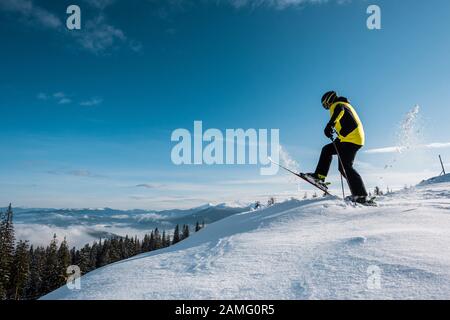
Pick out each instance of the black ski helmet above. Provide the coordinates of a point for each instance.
(328, 99)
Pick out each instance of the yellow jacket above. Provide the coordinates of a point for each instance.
(347, 123)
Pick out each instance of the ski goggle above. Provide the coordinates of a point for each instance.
(328, 101)
(326, 105)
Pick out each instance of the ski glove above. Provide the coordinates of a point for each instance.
(329, 131)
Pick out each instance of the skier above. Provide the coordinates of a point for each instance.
(346, 123)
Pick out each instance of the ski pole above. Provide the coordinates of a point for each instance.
(342, 166)
(340, 161)
(342, 186)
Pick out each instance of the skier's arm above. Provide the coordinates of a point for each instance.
(337, 115)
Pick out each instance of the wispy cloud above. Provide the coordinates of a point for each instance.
(278, 4)
(97, 35)
(100, 4)
(91, 102)
(77, 173)
(42, 96)
(62, 98)
(64, 101)
(434, 145)
(57, 97)
(31, 13)
(149, 185)
(83, 173)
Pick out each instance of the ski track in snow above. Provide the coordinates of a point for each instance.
(310, 249)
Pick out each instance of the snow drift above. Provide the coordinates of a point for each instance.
(311, 249)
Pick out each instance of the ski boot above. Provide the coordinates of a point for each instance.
(317, 179)
(362, 200)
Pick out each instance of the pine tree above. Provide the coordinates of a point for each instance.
(146, 243)
(64, 261)
(37, 264)
(176, 235)
(271, 201)
(137, 245)
(73, 254)
(51, 277)
(163, 239)
(6, 250)
(124, 246)
(197, 226)
(376, 191)
(152, 241)
(158, 242)
(185, 232)
(2, 280)
(114, 250)
(2, 292)
(93, 256)
(20, 271)
(168, 241)
(84, 259)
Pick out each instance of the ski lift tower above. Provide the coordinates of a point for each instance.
(442, 165)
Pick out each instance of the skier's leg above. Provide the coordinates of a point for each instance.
(326, 156)
(348, 152)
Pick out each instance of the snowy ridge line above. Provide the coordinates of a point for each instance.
(310, 249)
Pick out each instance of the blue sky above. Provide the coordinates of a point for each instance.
(87, 115)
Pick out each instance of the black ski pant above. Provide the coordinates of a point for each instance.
(347, 152)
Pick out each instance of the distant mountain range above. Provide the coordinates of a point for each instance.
(136, 218)
(81, 226)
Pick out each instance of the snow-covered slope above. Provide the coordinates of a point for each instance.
(312, 249)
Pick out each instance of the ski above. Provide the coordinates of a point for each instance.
(304, 178)
(370, 202)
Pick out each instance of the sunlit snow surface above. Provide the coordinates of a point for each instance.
(313, 249)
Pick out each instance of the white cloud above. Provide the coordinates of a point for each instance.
(91, 102)
(31, 13)
(59, 95)
(136, 46)
(42, 96)
(76, 173)
(149, 185)
(97, 35)
(62, 98)
(278, 4)
(64, 101)
(84, 173)
(438, 145)
(100, 4)
(434, 145)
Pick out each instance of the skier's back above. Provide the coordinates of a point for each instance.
(350, 131)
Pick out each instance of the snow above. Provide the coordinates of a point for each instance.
(310, 249)
(439, 179)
